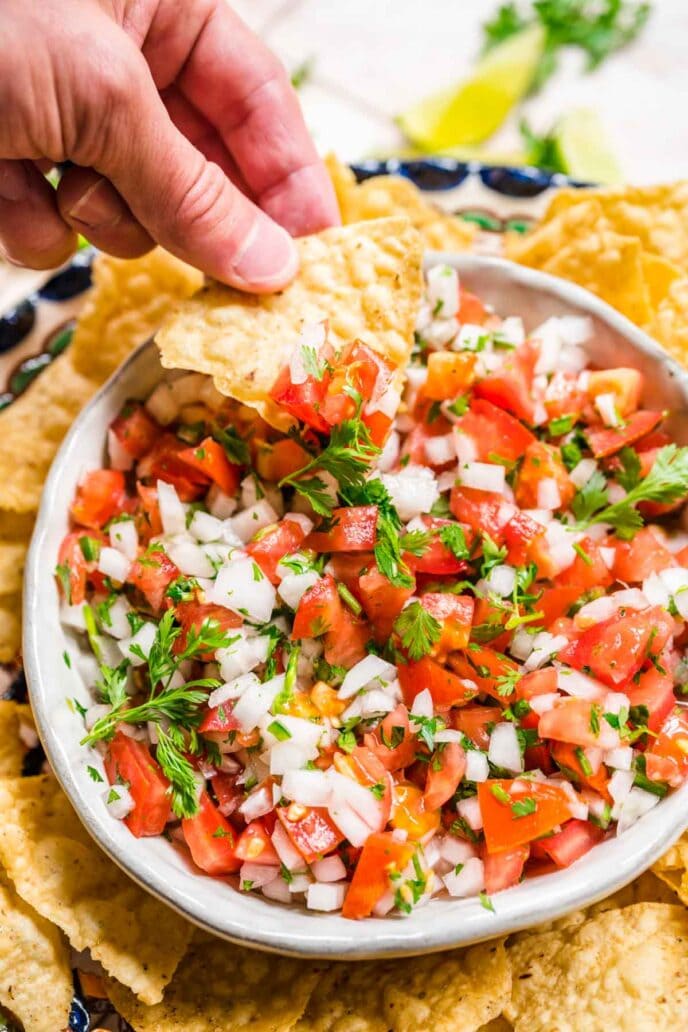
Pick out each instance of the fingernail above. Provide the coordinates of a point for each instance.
(267, 259)
(14, 181)
(98, 206)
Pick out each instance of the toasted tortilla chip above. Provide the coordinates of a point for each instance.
(364, 279)
(35, 971)
(672, 868)
(58, 869)
(625, 970)
(382, 196)
(499, 1024)
(12, 748)
(126, 305)
(12, 556)
(669, 324)
(349, 998)
(10, 627)
(219, 987)
(656, 215)
(659, 276)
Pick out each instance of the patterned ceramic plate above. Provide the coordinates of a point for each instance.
(39, 312)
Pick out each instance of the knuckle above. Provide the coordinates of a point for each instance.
(205, 201)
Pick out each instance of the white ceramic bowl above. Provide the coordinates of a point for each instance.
(215, 904)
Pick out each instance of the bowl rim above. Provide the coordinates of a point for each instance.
(257, 922)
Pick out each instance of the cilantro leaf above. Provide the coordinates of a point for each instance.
(453, 538)
(630, 474)
(418, 630)
(591, 497)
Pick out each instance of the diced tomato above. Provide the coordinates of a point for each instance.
(605, 441)
(100, 496)
(445, 770)
(563, 396)
(568, 759)
(484, 666)
(454, 613)
(219, 719)
(210, 458)
(382, 601)
(654, 691)
(637, 559)
(358, 370)
(573, 720)
(163, 462)
(211, 839)
(667, 757)
(588, 569)
(229, 795)
(148, 521)
(310, 829)
(130, 761)
(445, 687)
(471, 308)
(519, 534)
(574, 840)
(192, 615)
(502, 870)
(279, 459)
(352, 529)
(409, 812)
(381, 856)
(510, 386)
(475, 722)
(614, 650)
(272, 544)
(72, 560)
(450, 373)
(437, 558)
(255, 845)
(304, 400)
(152, 574)
(379, 426)
(533, 809)
(135, 429)
(394, 741)
(346, 641)
(625, 384)
(364, 766)
(542, 462)
(494, 433)
(556, 602)
(489, 620)
(413, 449)
(485, 512)
(319, 610)
(537, 682)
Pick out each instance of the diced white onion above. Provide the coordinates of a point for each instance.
(257, 875)
(545, 645)
(608, 556)
(440, 333)
(656, 591)
(112, 563)
(619, 759)
(483, 476)
(477, 767)
(308, 787)
(470, 880)
(299, 883)
(254, 518)
(288, 756)
(286, 851)
(119, 456)
(581, 473)
(548, 494)
(456, 850)
(595, 612)
(413, 490)
(443, 290)
(172, 512)
(615, 493)
(117, 624)
(124, 538)
(471, 336)
(205, 527)
(257, 803)
(577, 807)
(390, 453)
(620, 784)
(277, 890)
(572, 682)
(95, 713)
(241, 587)
(294, 586)
(423, 705)
(242, 655)
(637, 803)
(256, 701)
(521, 643)
(220, 504)
(189, 557)
(186, 389)
(543, 703)
(119, 801)
(329, 869)
(231, 690)
(162, 404)
(501, 580)
(464, 446)
(371, 668)
(504, 750)
(606, 406)
(320, 896)
(142, 640)
(73, 616)
(615, 702)
(440, 450)
(560, 546)
(469, 809)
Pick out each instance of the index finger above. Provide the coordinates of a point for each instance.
(233, 79)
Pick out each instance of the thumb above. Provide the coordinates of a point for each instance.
(188, 205)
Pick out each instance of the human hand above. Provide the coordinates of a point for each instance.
(184, 128)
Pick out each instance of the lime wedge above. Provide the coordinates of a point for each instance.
(582, 145)
(469, 114)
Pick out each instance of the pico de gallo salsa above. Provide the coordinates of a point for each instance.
(429, 643)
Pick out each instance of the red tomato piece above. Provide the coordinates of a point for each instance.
(519, 534)
(537, 682)
(542, 462)
(381, 601)
(163, 462)
(210, 459)
(381, 856)
(71, 558)
(445, 687)
(310, 829)
(556, 602)
(346, 641)
(455, 614)
(228, 794)
(211, 839)
(588, 572)
(445, 770)
(484, 666)
(219, 719)
(148, 521)
(614, 651)
(100, 496)
(485, 512)
(255, 845)
(319, 610)
(135, 429)
(351, 529)
(605, 441)
(304, 400)
(637, 559)
(574, 840)
(510, 387)
(437, 558)
(449, 374)
(130, 761)
(152, 574)
(475, 723)
(502, 870)
(625, 384)
(667, 757)
(573, 721)
(563, 397)
(471, 308)
(654, 691)
(272, 544)
(364, 766)
(357, 369)
(567, 758)
(494, 433)
(394, 741)
(192, 615)
(278, 459)
(533, 809)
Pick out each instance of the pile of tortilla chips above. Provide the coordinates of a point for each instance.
(621, 964)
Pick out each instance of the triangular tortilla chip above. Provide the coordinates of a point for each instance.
(365, 279)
